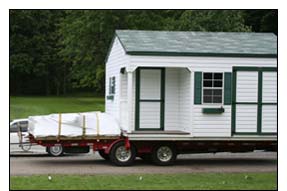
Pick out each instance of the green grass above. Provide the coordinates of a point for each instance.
(22, 107)
(200, 181)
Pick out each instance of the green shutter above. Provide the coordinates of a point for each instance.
(110, 86)
(113, 85)
(227, 88)
(197, 87)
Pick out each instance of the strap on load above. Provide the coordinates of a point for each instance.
(84, 126)
(98, 124)
(59, 126)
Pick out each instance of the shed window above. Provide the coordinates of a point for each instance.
(212, 87)
(112, 85)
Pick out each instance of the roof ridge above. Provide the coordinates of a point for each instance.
(170, 31)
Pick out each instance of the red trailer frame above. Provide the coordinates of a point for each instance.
(122, 151)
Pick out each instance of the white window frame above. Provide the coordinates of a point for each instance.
(212, 88)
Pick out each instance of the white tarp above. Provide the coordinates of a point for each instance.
(73, 124)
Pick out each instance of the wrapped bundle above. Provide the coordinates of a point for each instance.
(73, 125)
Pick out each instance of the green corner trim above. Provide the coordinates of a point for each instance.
(212, 110)
(259, 107)
(233, 109)
(137, 109)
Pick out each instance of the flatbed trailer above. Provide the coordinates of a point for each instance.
(161, 150)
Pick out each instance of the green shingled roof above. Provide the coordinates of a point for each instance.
(136, 42)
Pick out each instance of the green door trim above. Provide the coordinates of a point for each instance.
(259, 102)
(138, 100)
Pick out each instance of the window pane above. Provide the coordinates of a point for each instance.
(217, 83)
(24, 129)
(207, 99)
(218, 76)
(14, 128)
(207, 84)
(217, 92)
(207, 92)
(207, 76)
(217, 99)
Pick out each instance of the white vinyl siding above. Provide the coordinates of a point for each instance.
(149, 115)
(211, 125)
(246, 118)
(150, 84)
(269, 90)
(177, 99)
(117, 59)
(184, 100)
(204, 64)
(247, 86)
(172, 100)
(123, 101)
(269, 118)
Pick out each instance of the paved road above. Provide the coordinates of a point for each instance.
(93, 164)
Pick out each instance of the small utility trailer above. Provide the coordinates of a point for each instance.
(187, 92)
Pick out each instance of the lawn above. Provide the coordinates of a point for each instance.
(22, 107)
(201, 181)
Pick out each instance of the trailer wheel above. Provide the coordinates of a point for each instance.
(122, 157)
(55, 151)
(104, 155)
(164, 155)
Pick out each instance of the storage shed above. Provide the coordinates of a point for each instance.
(193, 84)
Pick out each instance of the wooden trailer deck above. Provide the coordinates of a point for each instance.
(76, 138)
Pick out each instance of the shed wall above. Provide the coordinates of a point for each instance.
(117, 59)
(202, 125)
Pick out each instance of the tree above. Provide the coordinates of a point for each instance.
(59, 51)
(262, 20)
(213, 20)
(33, 51)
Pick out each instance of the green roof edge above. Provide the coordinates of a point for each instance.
(154, 53)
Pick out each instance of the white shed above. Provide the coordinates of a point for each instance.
(193, 84)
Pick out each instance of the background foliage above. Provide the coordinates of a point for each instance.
(55, 52)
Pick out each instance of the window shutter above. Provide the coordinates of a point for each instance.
(113, 85)
(227, 88)
(110, 86)
(197, 87)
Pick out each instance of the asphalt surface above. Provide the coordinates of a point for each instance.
(37, 163)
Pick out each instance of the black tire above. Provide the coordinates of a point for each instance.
(164, 154)
(26, 147)
(104, 155)
(55, 151)
(118, 158)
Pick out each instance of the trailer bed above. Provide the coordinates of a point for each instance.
(76, 138)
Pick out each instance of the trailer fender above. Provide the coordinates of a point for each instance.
(127, 144)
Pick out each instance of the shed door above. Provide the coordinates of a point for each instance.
(150, 99)
(254, 108)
